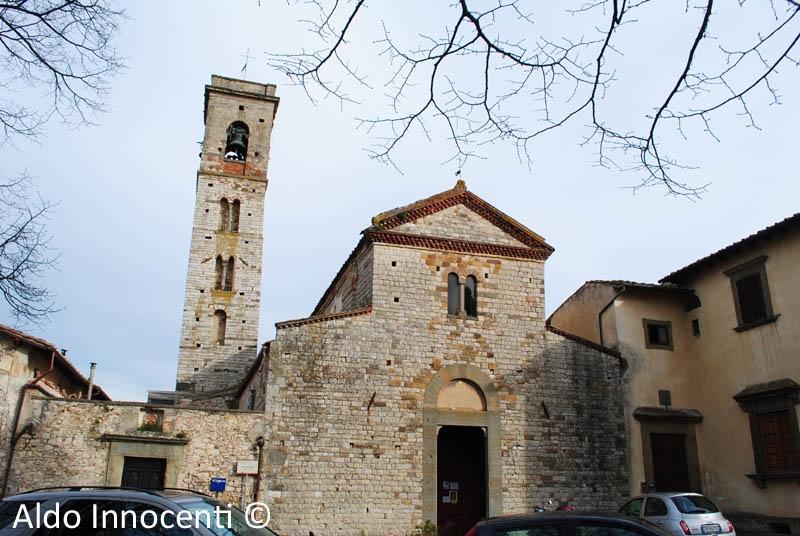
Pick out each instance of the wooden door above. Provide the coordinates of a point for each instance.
(461, 479)
(670, 468)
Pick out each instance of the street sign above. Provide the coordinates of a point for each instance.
(247, 467)
(217, 484)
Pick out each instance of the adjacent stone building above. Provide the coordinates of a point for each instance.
(713, 377)
(32, 367)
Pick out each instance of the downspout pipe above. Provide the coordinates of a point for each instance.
(17, 413)
(622, 289)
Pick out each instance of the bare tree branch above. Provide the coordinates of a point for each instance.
(63, 47)
(474, 76)
(24, 250)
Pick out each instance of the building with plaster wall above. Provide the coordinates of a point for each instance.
(712, 379)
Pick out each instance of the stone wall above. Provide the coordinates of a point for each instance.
(19, 364)
(460, 223)
(345, 397)
(252, 394)
(83, 443)
(352, 288)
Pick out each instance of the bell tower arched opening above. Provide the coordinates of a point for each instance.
(236, 144)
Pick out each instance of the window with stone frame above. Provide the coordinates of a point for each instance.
(220, 326)
(229, 215)
(773, 428)
(751, 294)
(657, 334)
(219, 272)
(453, 294)
(471, 296)
(229, 269)
(462, 297)
(224, 214)
(235, 208)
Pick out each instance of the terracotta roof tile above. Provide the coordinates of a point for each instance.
(585, 342)
(47, 346)
(636, 284)
(461, 246)
(322, 318)
(449, 198)
(763, 234)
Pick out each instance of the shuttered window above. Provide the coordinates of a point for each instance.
(777, 441)
(751, 294)
(751, 298)
(774, 428)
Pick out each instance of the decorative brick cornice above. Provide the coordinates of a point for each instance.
(458, 196)
(585, 342)
(461, 246)
(322, 318)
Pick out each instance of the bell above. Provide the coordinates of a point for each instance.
(237, 143)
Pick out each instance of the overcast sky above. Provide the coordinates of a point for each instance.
(126, 188)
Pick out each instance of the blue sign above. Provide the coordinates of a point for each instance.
(217, 484)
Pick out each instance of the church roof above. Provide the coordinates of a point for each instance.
(458, 195)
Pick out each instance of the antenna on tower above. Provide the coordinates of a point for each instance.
(247, 57)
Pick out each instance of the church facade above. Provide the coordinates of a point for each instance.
(424, 386)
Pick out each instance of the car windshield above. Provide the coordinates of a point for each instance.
(694, 504)
(10, 509)
(232, 521)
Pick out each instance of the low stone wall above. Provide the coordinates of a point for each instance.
(85, 443)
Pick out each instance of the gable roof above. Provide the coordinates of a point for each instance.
(61, 362)
(534, 246)
(749, 241)
(458, 195)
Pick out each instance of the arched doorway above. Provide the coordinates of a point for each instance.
(461, 443)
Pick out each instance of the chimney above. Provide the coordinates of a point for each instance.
(92, 366)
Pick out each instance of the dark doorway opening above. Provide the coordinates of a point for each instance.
(145, 473)
(670, 467)
(460, 479)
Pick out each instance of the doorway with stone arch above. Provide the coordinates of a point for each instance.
(462, 475)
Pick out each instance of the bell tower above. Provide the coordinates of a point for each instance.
(219, 335)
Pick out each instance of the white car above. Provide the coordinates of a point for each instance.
(681, 514)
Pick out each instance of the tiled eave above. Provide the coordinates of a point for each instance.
(459, 246)
(585, 342)
(322, 318)
(450, 198)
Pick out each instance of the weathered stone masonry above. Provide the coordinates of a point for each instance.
(348, 426)
(349, 398)
(81, 442)
(205, 365)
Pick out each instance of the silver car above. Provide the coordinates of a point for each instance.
(681, 514)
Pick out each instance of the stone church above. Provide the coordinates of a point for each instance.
(424, 385)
